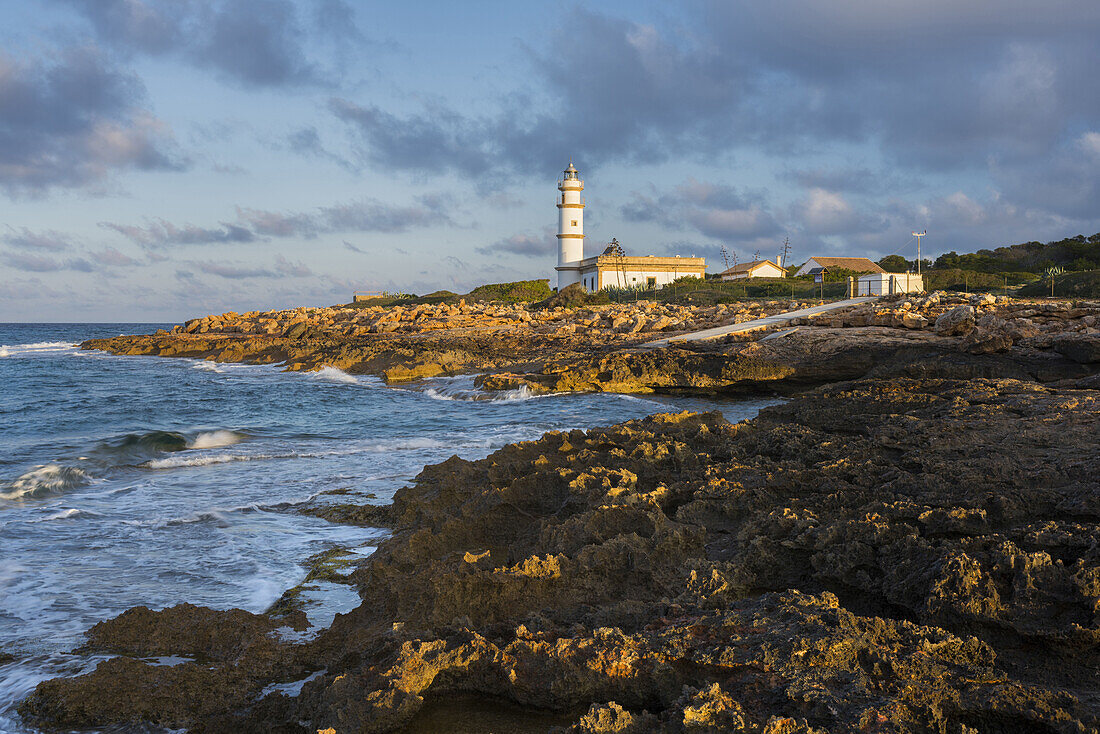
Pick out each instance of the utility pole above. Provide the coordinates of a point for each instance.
(918, 235)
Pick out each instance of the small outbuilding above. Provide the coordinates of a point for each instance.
(755, 269)
(855, 264)
(886, 284)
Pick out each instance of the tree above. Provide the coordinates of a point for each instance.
(894, 264)
(947, 260)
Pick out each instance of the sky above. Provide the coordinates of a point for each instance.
(165, 159)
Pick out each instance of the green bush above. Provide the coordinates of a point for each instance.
(522, 291)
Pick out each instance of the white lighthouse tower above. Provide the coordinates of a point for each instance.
(570, 228)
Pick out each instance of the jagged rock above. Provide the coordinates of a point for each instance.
(986, 341)
(958, 320)
(887, 555)
(1083, 349)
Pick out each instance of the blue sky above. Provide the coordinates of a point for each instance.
(161, 159)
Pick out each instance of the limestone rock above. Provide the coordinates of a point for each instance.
(958, 320)
(1083, 349)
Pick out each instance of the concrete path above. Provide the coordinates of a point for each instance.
(777, 320)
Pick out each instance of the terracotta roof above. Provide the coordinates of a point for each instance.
(859, 264)
(746, 267)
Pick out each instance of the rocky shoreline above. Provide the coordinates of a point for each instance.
(911, 543)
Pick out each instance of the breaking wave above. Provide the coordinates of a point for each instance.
(334, 374)
(15, 350)
(470, 394)
(45, 479)
(65, 514)
(396, 444)
(136, 448)
(215, 439)
(175, 462)
(208, 367)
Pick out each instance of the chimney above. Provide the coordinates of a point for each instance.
(779, 260)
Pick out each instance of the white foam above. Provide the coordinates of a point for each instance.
(45, 478)
(334, 374)
(215, 440)
(15, 350)
(632, 398)
(64, 514)
(208, 367)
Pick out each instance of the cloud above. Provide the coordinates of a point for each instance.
(254, 43)
(281, 267)
(39, 264)
(110, 257)
(854, 180)
(292, 269)
(275, 224)
(540, 246)
(254, 225)
(71, 121)
(48, 239)
(233, 272)
(362, 215)
(825, 212)
(355, 249)
(718, 211)
(159, 233)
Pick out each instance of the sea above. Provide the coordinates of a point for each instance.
(129, 481)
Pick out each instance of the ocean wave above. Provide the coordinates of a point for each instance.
(135, 448)
(518, 395)
(176, 462)
(334, 374)
(219, 515)
(208, 367)
(15, 350)
(65, 514)
(394, 444)
(45, 479)
(634, 399)
(215, 439)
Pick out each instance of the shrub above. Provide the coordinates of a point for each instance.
(522, 291)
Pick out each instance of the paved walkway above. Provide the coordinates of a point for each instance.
(778, 319)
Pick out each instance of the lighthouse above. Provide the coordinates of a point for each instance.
(570, 227)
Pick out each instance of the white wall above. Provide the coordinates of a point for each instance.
(635, 278)
(878, 284)
(764, 271)
(571, 248)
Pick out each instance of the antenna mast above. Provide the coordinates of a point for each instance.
(918, 235)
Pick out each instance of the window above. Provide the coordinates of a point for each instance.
(651, 282)
(574, 223)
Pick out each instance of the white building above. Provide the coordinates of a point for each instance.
(612, 268)
(755, 269)
(858, 264)
(885, 284)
